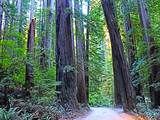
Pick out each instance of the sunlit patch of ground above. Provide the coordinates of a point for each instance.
(129, 117)
(134, 117)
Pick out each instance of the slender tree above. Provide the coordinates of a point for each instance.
(50, 5)
(64, 57)
(81, 91)
(128, 32)
(1, 17)
(72, 27)
(18, 5)
(131, 50)
(120, 67)
(87, 54)
(43, 42)
(155, 66)
(7, 5)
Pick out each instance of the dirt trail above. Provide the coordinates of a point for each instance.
(103, 113)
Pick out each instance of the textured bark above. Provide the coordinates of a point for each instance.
(81, 89)
(87, 55)
(155, 66)
(64, 57)
(130, 45)
(117, 94)
(120, 67)
(1, 17)
(49, 29)
(29, 81)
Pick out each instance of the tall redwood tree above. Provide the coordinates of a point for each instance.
(64, 58)
(122, 75)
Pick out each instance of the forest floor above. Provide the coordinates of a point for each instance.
(103, 113)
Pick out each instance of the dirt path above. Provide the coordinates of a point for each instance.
(103, 113)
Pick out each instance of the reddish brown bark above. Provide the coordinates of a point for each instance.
(122, 75)
(29, 81)
(64, 57)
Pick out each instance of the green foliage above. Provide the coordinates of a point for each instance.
(100, 98)
(144, 110)
(100, 65)
(50, 113)
(11, 114)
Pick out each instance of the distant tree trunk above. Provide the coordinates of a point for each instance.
(64, 57)
(81, 89)
(18, 5)
(40, 33)
(155, 66)
(87, 55)
(72, 30)
(29, 81)
(21, 15)
(6, 20)
(1, 17)
(82, 22)
(32, 10)
(49, 29)
(130, 45)
(128, 32)
(43, 43)
(120, 67)
(141, 20)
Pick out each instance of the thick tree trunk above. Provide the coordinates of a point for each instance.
(87, 55)
(120, 67)
(117, 94)
(1, 17)
(81, 89)
(64, 58)
(155, 67)
(29, 81)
